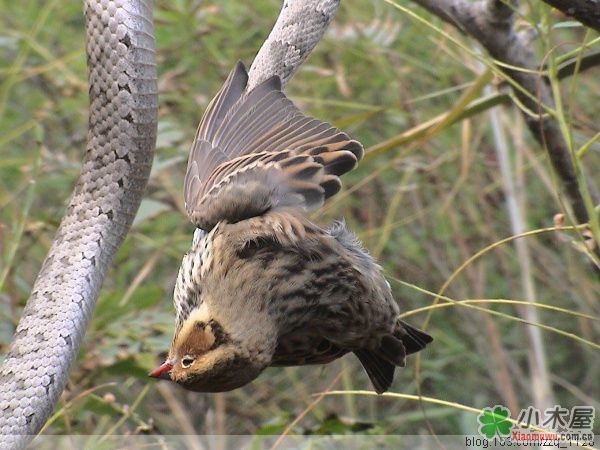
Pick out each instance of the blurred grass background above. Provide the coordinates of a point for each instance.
(422, 206)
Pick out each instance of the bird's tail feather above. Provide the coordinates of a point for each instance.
(380, 371)
(412, 338)
(381, 363)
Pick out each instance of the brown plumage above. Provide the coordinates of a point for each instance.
(262, 285)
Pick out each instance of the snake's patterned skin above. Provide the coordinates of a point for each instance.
(121, 140)
(299, 27)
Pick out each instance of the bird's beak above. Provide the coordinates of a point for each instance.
(163, 371)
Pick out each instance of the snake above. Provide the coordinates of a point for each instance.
(122, 129)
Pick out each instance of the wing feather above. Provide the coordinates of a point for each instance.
(256, 151)
(225, 99)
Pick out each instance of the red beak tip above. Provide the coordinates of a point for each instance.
(161, 371)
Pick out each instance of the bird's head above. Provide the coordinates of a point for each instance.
(205, 358)
(219, 347)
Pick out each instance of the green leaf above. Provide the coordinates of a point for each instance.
(98, 405)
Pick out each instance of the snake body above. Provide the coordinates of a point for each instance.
(121, 140)
(298, 28)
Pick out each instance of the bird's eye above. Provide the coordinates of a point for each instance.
(186, 361)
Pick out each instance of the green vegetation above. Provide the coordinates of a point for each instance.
(428, 197)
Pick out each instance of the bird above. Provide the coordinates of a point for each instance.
(262, 284)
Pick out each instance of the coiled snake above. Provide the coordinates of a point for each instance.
(121, 140)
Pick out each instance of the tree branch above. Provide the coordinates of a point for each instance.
(585, 11)
(491, 23)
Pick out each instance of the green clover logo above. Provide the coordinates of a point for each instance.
(494, 421)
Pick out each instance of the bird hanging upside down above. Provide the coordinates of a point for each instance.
(262, 285)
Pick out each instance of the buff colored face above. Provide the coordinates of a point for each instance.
(203, 358)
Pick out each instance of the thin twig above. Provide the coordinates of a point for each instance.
(301, 416)
(181, 416)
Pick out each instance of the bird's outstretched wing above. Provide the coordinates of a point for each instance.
(255, 151)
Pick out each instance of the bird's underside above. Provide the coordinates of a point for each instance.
(262, 285)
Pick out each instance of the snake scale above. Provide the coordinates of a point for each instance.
(121, 140)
